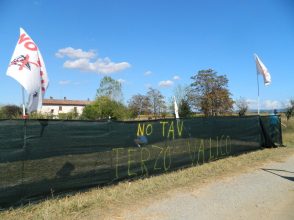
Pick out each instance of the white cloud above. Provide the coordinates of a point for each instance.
(81, 60)
(252, 103)
(64, 82)
(148, 85)
(176, 78)
(75, 53)
(147, 73)
(104, 66)
(165, 83)
(271, 104)
(287, 104)
(122, 81)
(267, 104)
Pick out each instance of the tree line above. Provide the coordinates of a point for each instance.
(208, 94)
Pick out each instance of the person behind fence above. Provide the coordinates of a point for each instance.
(274, 127)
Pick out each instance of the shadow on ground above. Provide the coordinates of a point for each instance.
(276, 172)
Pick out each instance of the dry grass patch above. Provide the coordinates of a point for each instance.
(288, 131)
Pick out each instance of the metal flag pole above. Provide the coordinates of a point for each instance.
(258, 110)
(24, 141)
(23, 103)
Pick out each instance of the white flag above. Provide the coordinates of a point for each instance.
(27, 67)
(24, 65)
(176, 108)
(35, 100)
(261, 69)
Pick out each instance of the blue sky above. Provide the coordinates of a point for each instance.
(156, 43)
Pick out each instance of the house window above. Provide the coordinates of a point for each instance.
(52, 111)
(75, 110)
(60, 108)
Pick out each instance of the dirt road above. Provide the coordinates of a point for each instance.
(266, 193)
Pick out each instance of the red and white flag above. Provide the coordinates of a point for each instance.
(261, 69)
(36, 99)
(28, 68)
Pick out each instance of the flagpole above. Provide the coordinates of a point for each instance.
(23, 103)
(258, 110)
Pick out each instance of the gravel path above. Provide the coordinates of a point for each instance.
(266, 193)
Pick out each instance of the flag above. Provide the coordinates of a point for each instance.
(27, 67)
(261, 69)
(176, 108)
(35, 100)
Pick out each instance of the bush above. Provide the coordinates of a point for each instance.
(38, 115)
(290, 110)
(103, 108)
(11, 112)
(68, 116)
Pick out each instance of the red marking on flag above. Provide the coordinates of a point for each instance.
(26, 61)
(43, 89)
(42, 81)
(30, 45)
(23, 38)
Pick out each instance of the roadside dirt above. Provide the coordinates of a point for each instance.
(264, 193)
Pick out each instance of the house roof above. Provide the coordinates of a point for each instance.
(65, 102)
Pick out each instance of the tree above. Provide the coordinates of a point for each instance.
(110, 88)
(139, 104)
(290, 110)
(157, 102)
(184, 109)
(103, 108)
(242, 106)
(210, 94)
(11, 112)
(181, 93)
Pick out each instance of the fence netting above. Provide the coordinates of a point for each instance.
(38, 157)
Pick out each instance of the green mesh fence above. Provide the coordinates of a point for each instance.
(38, 157)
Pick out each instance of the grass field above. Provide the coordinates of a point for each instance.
(288, 131)
(99, 202)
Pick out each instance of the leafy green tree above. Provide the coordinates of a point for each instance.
(103, 108)
(139, 104)
(110, 88)
(210, 94)
(11, 112)
(184, 109)
(157, 102)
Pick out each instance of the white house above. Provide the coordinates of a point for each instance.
(56, 106)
